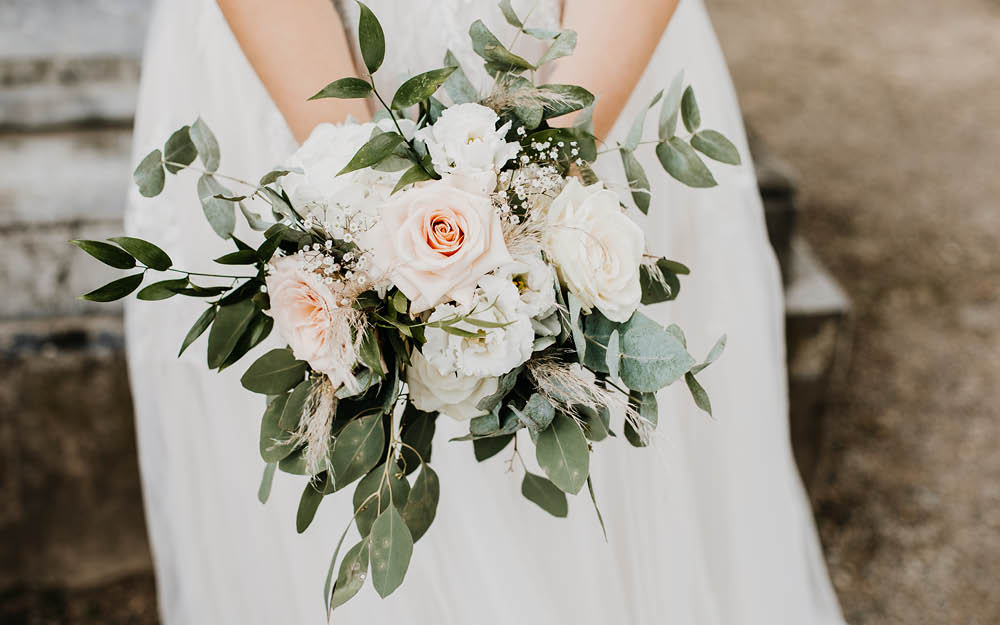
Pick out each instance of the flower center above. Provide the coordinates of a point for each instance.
(443, 232)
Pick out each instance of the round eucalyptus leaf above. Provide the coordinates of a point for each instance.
(652, 357)
(179, 151)
(149, 175)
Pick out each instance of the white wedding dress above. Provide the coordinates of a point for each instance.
(708, 526)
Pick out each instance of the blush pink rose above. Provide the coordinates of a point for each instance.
(307, 317)
(435, 241)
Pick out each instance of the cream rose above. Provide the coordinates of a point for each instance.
(451, 394)
(596, 248)
(434, 242)
(307, 317)
(465, 141)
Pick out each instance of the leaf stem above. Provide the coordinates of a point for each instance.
(409, 142)
(206, 275)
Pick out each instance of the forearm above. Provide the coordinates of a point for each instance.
(296, 47)
(616, 41)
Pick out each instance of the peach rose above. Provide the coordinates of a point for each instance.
(307, 317)
(435, 241)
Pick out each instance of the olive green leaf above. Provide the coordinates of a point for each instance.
(486, 45)
(114, 290)
(371, 39)
(230, 322)
(276, 444)
(421, 507)
(351, 576)
(716, 146)
(458, 86)
(312, 496)
(562, 45)
(106, 253)
(713, 355)
(200, 325)
(689, 110)
(264, 490)
(274, 373)
(391, 548)
(377, 148)
(345, 88)
(698, 393)
(638, 183)
(670, 108)
(680, 161)
(420, 87)
(357, 449)
(164, 289)
(147, 253)
(562, 452)
(547, 495)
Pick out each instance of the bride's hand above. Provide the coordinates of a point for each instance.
(296, 47)
(616, 41)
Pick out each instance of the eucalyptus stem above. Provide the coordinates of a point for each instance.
(212, 173)
(620, 147)
(409, 142)
(206, 275)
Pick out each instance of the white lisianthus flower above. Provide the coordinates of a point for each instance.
(465, 141)
(494, 350)
(348, 203)
(596, 248)
(451, 394)
(535, 283)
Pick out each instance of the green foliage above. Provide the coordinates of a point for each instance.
(670, 108)
(574, 99)
(417, 432)
(638, 183)
(417, 173)
(206, 144)
(537, 413)
(597, 332)
(596, 423)
(660, 282)
(230, 323)
(351, 576)
(221, 215)
(239, 257)
(458, 86)
(377, 148)
(698, 393)
(563, 45)
(634, 135)
(486, 448)
(597, 509)
(145, 252)
(391, 548)
(200, 325)
(264, 490)
(291, 414)
(275, 443)
(562, 452)
(716, 146)
(312, 496)
(164, 289)
(395, 491)
(680, 161)
(498, 57)
(149, 175)
(179, 151)
(612, 354)
(713, 355)
(371, 39)
(345, 88)
(547, 495)
(106, 253)
(115, 290)
(510, 15)
(689, 111)
(421, 507)
(420, 87)
(579, 340)
(274, 373)
(357, 449)
(652, 357)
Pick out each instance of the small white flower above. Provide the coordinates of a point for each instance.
(535, 282)
(465, 140)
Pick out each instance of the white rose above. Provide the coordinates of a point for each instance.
(596, 248)
(535, 282)
(495, 350)
(451, 394)
(347, 203)
(465, 141)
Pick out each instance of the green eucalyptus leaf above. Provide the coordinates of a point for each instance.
(417, 432)
(276, 444)
(264, 490)
(357, 449)
(230, 322)
(563, 45)
(206, 144)
(149, 175)
(308, 504)
(351, 576)
(164, 289)
(713, 355)
(504, 384)
(634, 135)
(637, 181)
(395, 491)
(274, 174)
(670, 108)
(221, 215)
(346, 88)
(612, 354)
(596, 423)
(412, 175)
(597, 332)
(593, 498)
(377, 148)
(562, 452)
(542, 33)
(689, 110)
(115, 290)
(646, 405)
(537, 413)
(510, 15)
(106, 253)
(698, 393)
(391, 548)
(651, 357)
(458, 86)
(681, 162)
(145, 252)
(274, 373)
(200, 325)
(179, 151)
(579, 339)
(677, 333)
(371, 39)
(659, 282)
(421, 507)
(716, 146)
(420, 87)
(570, 98)
(547, 495)
(485, 448)
(486, 45)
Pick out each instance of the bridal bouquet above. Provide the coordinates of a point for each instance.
(460, 260)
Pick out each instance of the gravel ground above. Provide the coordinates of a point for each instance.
(890, 110)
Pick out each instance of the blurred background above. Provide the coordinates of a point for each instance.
(877, 138)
